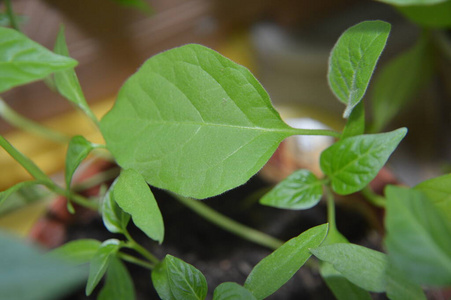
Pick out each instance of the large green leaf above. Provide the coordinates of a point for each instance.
(438, 191)
(26, 273)
(100, 262)
(277, 268)
(133, 195)
(300, 190)
(432, 16)
(114, 218)
(118, 284)
(23, 60)
(175, 279)
(418, 237)
(353, 60)
(399, 81)
(193, 122)
(353, 162)
(78, 251)
(232, 291)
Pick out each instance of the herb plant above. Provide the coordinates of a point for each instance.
(196, 124)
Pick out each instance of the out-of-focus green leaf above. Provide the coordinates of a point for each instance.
(8, 192)
(23, 60)
(300, 190)
(432, 16)
(142, 5)
(438, 191)
(78, 251)
(353, 59)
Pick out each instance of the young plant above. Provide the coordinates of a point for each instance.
(194, 123)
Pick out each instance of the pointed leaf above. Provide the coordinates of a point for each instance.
(118, 284)
(353, 162)
(185, 282)
(232, 291)
(77, 151)
(160, 281)
(353, 60)
(277, 268)
(193, 122)
(78, 251)
(133, 195)
(114, 218)
(438, 191)
(418, 237)
(23, 60)
(300, 190)
(99, 263)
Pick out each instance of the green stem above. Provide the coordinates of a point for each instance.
(373, 198)
(11, 16)
(330, 209)
(135, 261)
(76, 198)
(230, 225)
(132, 244)
(299, 131)
(25, 124)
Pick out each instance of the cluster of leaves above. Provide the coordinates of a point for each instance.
(196, 124)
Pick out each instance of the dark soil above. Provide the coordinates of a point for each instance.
(221, 256)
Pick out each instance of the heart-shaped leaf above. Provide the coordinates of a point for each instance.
(193, 122)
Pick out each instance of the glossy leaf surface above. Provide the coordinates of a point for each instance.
(77, 151)
(23, 60)
(418, 238)
(300, 190)
(232, 291)
(100, 262)
(438, 191)
(277, 268)
(353, 162)
(134, 196)
(118, 284)
(176, 279)
(353, 59)
(193, 122)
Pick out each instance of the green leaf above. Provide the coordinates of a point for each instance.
(178, 280)
(356, 122)
(23, 60)
(353, 60)
(432, 16)
(133, 195)
(193, 122)
(25, 161)
(6, 193)
(119, 284)
(438, 191)
(418, 237)
(114, 218)
(138, 4)
(160, 281)
(423, 3)
(400, 287)
(100, 262)
(353, 162)
(26, 273)
(342, 288)
(362, 266)
(232, 291)
(300, 190)
(77, 151)
(399, 81)
(66, 81)
(78, 251)
(277, 268)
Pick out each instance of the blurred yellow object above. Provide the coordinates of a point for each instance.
(48, 155)
(20, 221)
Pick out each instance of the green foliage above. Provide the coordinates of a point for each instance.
(78, 251)
(438, 192)
(23, 60)
(353, 60)
(356, 122)
(175, 279)
(118, 284)
(418, 237)
(100, 262)
(300, 190)
(138, 4)
(114, 218)
(232, 291)
(431, 16)
(353, 162)
(8, 192)
(26, 273)
(77, 151)
(276, 269)
(204, 125)
(133, 195)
